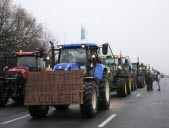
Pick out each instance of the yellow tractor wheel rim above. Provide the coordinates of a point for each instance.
(125, 88)
(130, 84)
(144, 81)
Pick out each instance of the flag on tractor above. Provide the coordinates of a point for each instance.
(83, 33)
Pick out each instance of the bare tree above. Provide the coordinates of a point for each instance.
(20, 30)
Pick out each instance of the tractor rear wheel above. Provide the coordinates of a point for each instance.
(104, 93)
(3, 101)
(140, 84)
(90, 100)
(38, 111)
(62, 107)
(122, 87)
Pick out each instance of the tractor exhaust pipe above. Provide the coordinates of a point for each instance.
(53, 53)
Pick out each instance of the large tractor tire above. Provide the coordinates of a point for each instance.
(90, 100)
(3, 96)
(104, 93)
(38, 111)
(62, 107)
(129, 86)
(3, 101)
(122, 87)
(140, 82)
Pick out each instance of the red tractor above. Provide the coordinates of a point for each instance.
(15, 78)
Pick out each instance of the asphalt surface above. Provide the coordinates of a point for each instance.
(142, 109)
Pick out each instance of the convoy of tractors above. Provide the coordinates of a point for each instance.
(102, 73)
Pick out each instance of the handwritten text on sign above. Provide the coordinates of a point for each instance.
(54, 88)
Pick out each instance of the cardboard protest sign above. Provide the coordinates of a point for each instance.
(55, 87)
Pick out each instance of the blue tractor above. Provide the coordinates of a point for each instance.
(96, 93)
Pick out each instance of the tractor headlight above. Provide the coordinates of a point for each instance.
(140, 68)
(93, 56)
(108, 71)
(120, 67)
(60, 47)
(47, 57)
(83, 46)
(91, 65)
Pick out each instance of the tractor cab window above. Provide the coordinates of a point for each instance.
(109, 61)
(29, 61)
(74, 55)
(116, 61)
(135, 67)
(109, 52)
(41, 63)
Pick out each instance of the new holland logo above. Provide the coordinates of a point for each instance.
(60, 66)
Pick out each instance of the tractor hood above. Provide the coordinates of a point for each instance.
(66, 66)
(18, 68)
(12, 72)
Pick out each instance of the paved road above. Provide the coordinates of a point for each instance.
(141, 109)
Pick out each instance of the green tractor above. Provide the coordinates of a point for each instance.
(141, 71)
(122, 80)
(129, 69)
(119, 71)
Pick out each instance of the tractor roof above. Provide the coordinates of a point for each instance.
(25, 53)
(77, 45)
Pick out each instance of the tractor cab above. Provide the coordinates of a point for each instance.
(32, 60)
(120, 62)
(140, 69)
(127, 64)
(108, 59)
(78, 56)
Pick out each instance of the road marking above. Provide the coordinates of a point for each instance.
(15, 119)
(138, 95)
(107, 121)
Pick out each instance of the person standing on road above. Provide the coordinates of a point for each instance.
(149, 81)
(158, 80)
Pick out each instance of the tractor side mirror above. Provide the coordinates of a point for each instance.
(105, 49)
(126, 62)
(6, 68)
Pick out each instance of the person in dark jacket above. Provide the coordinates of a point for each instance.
(149, 81)
(158, 80)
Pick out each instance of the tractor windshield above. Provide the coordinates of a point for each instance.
(135, 67)
(29, 61)
(109, 61)
(74, 55)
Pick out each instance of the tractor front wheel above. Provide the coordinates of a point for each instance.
(104, 93)
(38, 111)
(122, 88)
(3, 101)
(90, 100)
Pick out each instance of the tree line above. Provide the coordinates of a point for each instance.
(20, 30)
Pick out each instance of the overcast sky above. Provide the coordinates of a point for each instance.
(136, 27)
